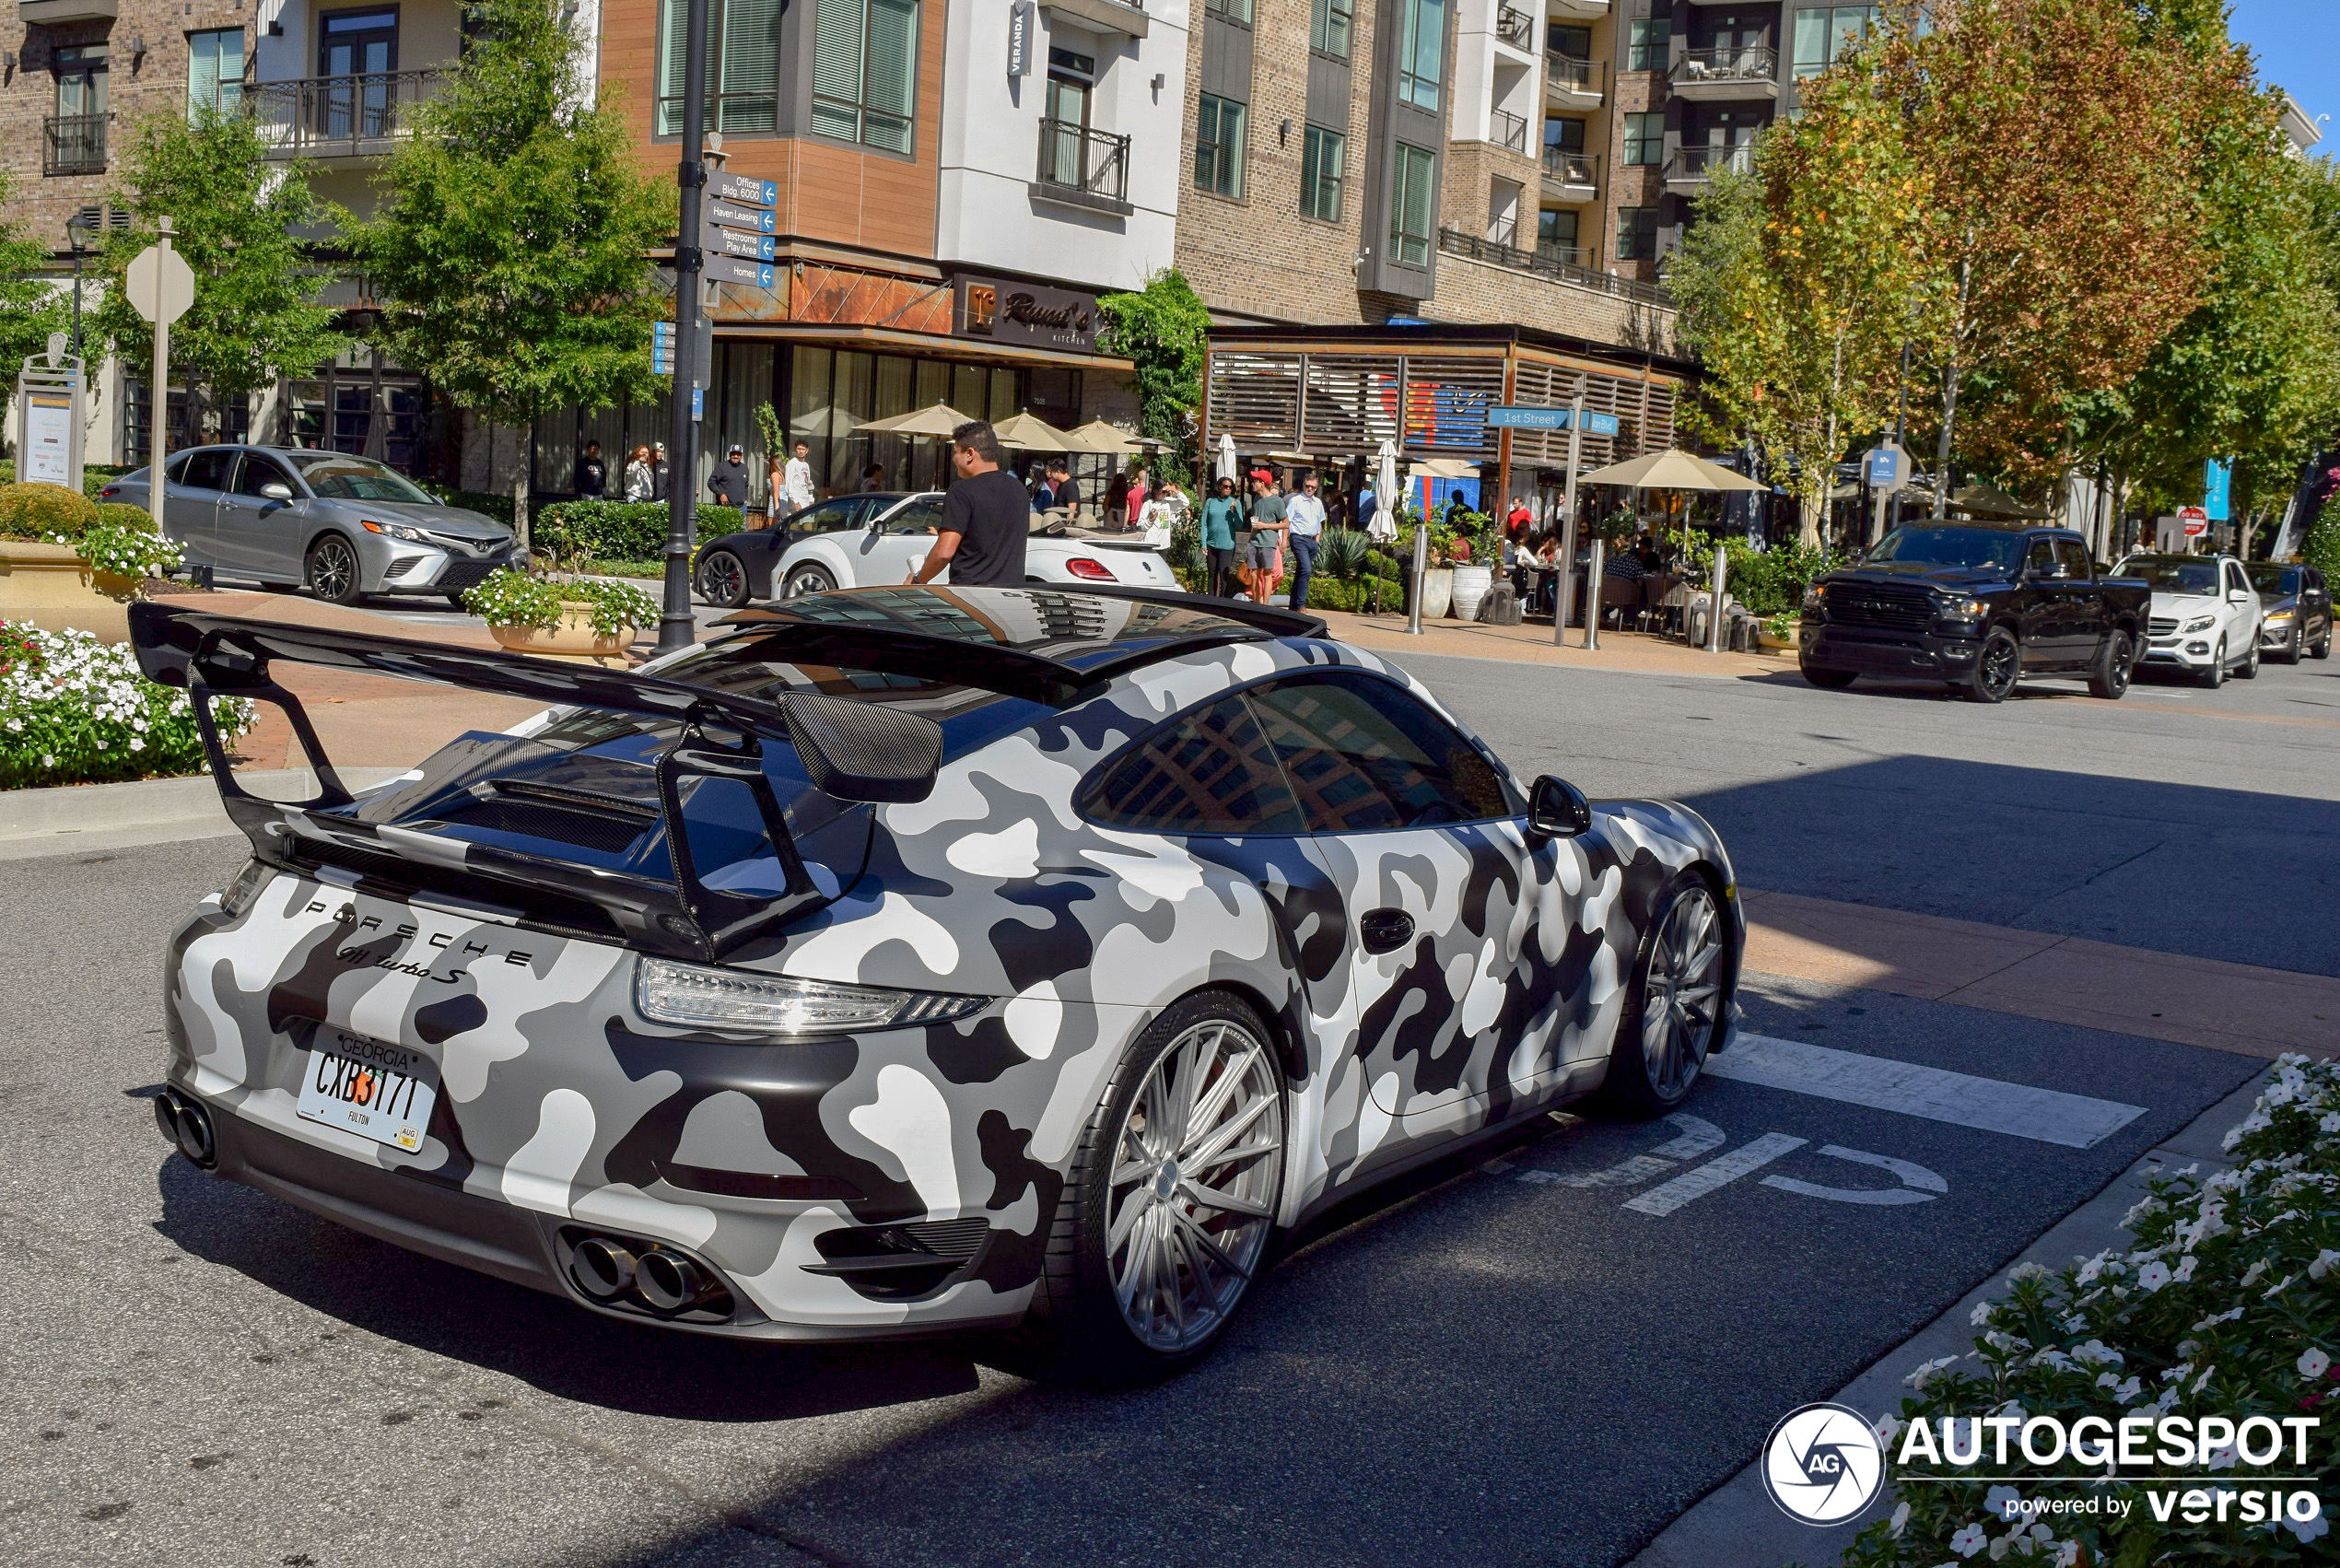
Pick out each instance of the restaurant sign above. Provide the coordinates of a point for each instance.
(1028, 315)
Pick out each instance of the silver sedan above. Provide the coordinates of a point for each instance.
(342, 526)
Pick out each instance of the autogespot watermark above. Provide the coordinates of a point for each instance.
(1823, 1464)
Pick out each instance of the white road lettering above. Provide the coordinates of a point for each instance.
(2046, 1115)
(1715, 1173)
(1696, 1137)
(1918, 1184)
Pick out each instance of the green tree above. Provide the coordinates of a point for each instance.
(241, 219)
(1162, 330)
(509, 248)
(31, 307)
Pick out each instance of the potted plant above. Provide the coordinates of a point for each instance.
(1782, 633)
(1472, 570)
(567, 617)
(67, 561)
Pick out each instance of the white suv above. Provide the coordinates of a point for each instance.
(2204, 615)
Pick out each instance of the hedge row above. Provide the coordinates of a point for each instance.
(606, 530)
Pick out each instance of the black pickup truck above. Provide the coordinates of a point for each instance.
(1977, 605)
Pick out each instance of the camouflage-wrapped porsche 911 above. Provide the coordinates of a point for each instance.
(910, 959)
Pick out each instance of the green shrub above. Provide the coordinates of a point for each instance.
(2322, 550)
(605, 531)
(7, 472)
(1342, 554)
(96, 476)
(76, 711)
(119, 515)
(518, 599)
(33, 511)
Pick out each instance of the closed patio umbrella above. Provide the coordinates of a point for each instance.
(1227, 457)
(1384, 518)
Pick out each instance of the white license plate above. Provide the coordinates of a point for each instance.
(377, 1091)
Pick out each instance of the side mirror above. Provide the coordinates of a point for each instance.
(2238, 596)
(277, 491)
(1557, 809)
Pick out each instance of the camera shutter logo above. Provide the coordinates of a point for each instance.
(1823, 1464)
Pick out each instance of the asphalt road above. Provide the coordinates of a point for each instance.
(1494, 1365)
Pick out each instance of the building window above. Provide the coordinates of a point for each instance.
(1567, 134)
(1823, 31)
(1414, 198)
(1562, 37)
(1649, 43)
(744, 41)
(1330, 25)
(1233, 10)
(865, 67)
(1217, 146)
(1323, 159)
(1422, 52)
(1556, 230)
(215, 72)
(1645, 138)
(1637, 234)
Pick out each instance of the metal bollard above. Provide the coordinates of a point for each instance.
(1592, 595)
(1422, 558)
(1715, 616)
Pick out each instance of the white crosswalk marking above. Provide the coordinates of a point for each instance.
(2047, 1116)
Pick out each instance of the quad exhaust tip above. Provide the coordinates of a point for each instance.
(602, 1267)
(638, 1275)
(186, 1122)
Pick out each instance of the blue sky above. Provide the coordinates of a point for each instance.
(2298, 45)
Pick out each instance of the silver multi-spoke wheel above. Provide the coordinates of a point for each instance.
(1681, 998)
(1191, 1197)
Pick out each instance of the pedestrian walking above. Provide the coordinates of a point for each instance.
(1304, 517)
(796, 479)
(1165, 508)
(1221, 514)
(638, 482)
(727, 483)
(986, 516)
(1117, 501)
(593, 473)
(1263, 558)
(1138, 493)
(662, 476)
(873, 479)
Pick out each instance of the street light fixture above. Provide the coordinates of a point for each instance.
(78, 231)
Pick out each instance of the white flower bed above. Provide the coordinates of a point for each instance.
(74, 709)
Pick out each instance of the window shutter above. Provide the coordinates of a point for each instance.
(750, 60)
(202, 72)
(890, 73)
(673, 40)
(837, 67)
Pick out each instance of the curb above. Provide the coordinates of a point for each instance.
(1738, 1526)
(188, 807)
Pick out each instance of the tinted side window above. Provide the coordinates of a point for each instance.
(1363, 755)
(918, 517)
(829, 517)
(207, 470)
(2074, 557)
(257, 471)
(1209, 772)
(2041, 557)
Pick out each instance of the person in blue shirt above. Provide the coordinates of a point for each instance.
(1221, 514)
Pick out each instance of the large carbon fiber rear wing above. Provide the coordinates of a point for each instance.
(853, 750)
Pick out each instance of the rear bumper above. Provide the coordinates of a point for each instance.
(1887, 653)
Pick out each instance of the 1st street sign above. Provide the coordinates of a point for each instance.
(1524, 417)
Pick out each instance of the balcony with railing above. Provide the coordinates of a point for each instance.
(1515, 28)
(1507, 130)
(1739, 71)
(1572, 176)
(1690, 169)
(1571, 83)
(73, 144)
(337, 117)
(1550, 253)
(1082, 167)
(1544, 262)
(1577, 10)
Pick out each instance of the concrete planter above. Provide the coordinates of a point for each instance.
(1437, 591)
(1471, 584)
(1773, 643)
(573, 638)
(54, 589)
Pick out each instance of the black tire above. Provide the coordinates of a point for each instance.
(331, 570)
(2323, 649)
(2299, 648)
(1077, 1323)
(1650, 1076)
(2250, 671)
(2115, 662)
(1831, 680)
(2216, 676)
(807, 576)
(1998, 666)
(721, 579)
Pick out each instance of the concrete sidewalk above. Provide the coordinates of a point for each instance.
(1531, 643)
(1738, 1526)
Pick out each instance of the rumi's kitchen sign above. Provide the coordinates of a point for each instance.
(1027, 313)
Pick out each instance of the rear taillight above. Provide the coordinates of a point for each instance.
(109, 492)
(1095, 571)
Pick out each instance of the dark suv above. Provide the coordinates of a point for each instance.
(1977, 605)
(2299, 610)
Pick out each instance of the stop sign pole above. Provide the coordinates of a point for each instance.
(160, 288)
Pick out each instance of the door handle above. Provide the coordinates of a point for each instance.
(1385, 931)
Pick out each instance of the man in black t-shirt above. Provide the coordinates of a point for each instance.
(986, 518)
(593, 473)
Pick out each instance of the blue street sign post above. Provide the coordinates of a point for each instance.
(1884, 467)
(1524, 417)
(2218, 489)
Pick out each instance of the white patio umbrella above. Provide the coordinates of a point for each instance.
(1384, 525)
(1446, 468)
(1672, 469)
(1102, 439)
(935, 419)
(1029, 432)
(1227, 457)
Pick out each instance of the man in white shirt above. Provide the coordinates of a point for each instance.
(796, 481)
(1303, 516)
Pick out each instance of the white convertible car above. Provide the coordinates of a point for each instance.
(874, 541)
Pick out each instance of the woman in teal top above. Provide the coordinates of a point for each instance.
(1222, 515)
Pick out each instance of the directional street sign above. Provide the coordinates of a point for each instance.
(731, 269)
(740, 188)
(731, 243)
(1524, 417)
(755, 220)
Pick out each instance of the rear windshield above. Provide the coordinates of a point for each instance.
(2269, 579)
(339, 478)
(1985, 549)
(2175, 576)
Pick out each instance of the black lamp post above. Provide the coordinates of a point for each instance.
(76, 233)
